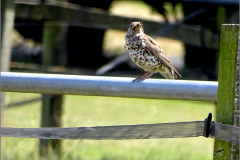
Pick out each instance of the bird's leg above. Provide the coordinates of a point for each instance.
(145, 76)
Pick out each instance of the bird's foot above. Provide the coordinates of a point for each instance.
(138, 79)
(145, 76)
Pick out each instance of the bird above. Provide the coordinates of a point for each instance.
(147, 54)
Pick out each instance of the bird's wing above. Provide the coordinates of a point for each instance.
(153, 47)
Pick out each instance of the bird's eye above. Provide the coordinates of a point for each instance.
(132, 26)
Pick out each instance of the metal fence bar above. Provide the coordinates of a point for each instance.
(109, 86)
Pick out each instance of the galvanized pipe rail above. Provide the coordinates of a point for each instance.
(108, 86)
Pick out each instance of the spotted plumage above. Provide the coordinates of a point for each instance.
(147, 53)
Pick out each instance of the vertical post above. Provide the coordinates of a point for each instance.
(237, 102)
(7, 21)
(227, 111)
(54, 38)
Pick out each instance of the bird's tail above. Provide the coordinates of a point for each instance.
(169, 74)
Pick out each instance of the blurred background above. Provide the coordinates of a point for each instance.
(87, 38)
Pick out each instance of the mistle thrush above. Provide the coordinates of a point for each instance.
(147, 53)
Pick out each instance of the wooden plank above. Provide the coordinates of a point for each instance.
(7, 21)
(89, 17)
(54, 39)
(6, 30)
(208, 2)
(51, 117)
(226, 88)
(119, 132)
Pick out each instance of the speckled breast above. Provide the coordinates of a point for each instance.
(140, 55)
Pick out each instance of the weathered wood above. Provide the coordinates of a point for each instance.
(226, 113)
(92, 18)
(54, 40)
(54, 45)
(7, 21)
(51, 117)
(140, 131)
(44, 145)
(235, 148)
(120, 132)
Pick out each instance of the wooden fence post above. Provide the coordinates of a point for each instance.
(227, 111)
(7, 22)
(54, 39)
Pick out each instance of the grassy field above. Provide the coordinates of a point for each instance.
(80, 111)
(96, 111)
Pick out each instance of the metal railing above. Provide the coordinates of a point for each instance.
(108, 86)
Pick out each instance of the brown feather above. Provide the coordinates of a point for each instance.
(153, 47)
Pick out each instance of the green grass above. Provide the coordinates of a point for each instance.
(96, 111)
